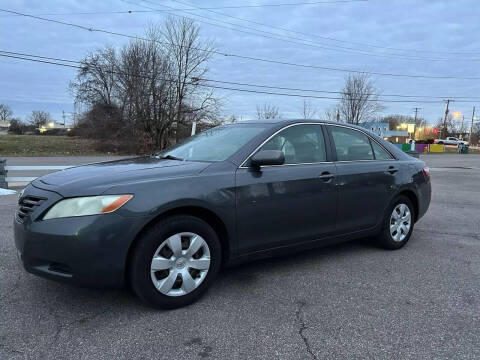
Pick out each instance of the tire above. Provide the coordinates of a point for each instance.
(440, 143)
(400, 237)
(158, 241)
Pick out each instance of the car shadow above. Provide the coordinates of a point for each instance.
(270, 265)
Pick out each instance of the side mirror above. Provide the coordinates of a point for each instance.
(267, 157)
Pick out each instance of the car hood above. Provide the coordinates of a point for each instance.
(94, 179)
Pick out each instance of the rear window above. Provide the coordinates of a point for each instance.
(351, 145)
(380, 153)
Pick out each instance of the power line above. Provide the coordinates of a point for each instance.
(250, 84)
(324, 37)
(40, 57)
(302, 41)
(208, 8)
(331, 91)
(41, 61)
(285, 38)
(230, 88)
(245, 57)
(262, 24)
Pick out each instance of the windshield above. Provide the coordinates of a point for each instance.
(216, 144)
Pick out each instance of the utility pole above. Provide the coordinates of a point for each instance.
(75, 114)
(63, 117)
(416, 111)
(338, 115)
(471, 127)
(444, 130)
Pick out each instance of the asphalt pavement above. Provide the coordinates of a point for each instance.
(347, 301)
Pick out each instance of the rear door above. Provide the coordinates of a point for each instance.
(282, 205)
(366, 177)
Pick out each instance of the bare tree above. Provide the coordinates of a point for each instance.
(475, 138)
(39, 118)
(148, 96)
(96, 80)
(188, 55)
(150, 89)
(267, 111)
(452, 126)
(308, 111)
(332, 114)
(232, 119)
(359, 99)
(395, 120)
(17, 127)
(5, 113)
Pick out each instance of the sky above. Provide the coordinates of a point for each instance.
(413, 37)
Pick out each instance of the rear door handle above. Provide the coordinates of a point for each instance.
(392, 169)
(326, 176)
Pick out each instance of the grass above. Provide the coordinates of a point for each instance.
(43, 145)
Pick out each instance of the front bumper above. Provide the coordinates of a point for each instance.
(88, 250)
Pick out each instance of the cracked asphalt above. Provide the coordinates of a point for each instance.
(342, 302)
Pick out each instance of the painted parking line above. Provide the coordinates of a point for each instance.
(7, 192)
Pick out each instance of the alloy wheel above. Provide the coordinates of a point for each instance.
(180, 264)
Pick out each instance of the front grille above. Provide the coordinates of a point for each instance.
(27, 204)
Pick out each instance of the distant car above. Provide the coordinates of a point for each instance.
(450, 141)
(166, 223)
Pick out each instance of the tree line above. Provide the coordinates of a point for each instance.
(35, 120)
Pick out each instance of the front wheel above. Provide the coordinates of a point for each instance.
(175, 261)
(397, 224)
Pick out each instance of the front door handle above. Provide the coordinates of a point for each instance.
(392, 169)
(326, 176)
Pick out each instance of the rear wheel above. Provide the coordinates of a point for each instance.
(397, 224)
(175, 261)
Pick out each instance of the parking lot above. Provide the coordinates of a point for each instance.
(346, 301)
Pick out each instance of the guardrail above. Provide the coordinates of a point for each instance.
(5, 179)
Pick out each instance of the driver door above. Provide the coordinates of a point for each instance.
(284, 204)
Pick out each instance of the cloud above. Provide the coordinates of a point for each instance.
(433, 29)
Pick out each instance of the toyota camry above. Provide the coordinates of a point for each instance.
(166, 224)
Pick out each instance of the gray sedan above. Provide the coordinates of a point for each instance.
(167, 223)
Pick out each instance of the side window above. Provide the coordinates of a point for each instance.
(351, 144)
(299, 143)
(380, 153)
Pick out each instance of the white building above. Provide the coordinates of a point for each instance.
(4, 125)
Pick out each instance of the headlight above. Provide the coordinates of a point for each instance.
(88, 205)
(20, 193)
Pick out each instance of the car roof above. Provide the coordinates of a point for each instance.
(273, 122)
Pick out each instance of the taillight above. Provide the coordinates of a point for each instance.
(426, 172)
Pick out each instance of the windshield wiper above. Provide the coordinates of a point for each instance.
(170, 157)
